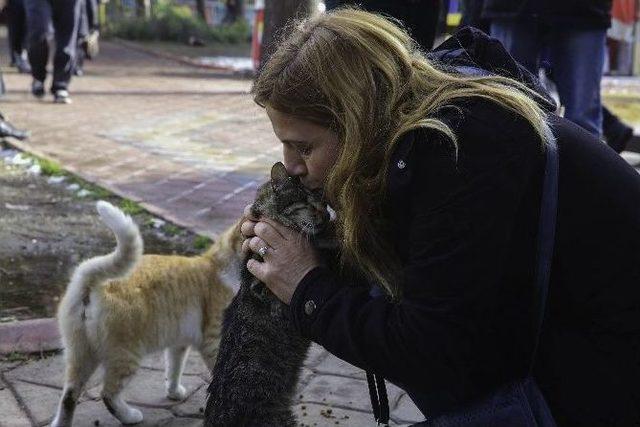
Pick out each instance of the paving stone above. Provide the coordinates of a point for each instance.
(182, 422)
(316, 354)
(194, 365)
(147, 388)
(335, 366)
(41, 401)
(29, 336)
(194, 406)
(49, 371)
(313, 414)
(406, 411)
(341, 391)
(12, 414)
(88, 412)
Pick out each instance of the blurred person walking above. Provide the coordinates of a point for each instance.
(88, 34)
(17, 29)
(420, 17)
(64, 17)
(574, 32)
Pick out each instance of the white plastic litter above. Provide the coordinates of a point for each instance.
(73, 187)
(35, 169)
(157, 223)
(20, 160)
(83, 193)
(56, 179)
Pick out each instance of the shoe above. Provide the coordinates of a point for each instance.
(37, 89)
(61, 96)
(619, 138)
(23, 66)
(7, 130)
(91, 45)
(78, 72)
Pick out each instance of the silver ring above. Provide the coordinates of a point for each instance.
(263, 251)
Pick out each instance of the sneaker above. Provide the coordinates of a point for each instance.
(61, 96)
(23, 65)
(37, 89)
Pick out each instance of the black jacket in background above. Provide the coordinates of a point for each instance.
(587, 14)
(465, 230)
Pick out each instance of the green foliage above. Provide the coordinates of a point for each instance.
(130, 207)
(171, 22)
(49, 167)
(201, 242)
(171, 229)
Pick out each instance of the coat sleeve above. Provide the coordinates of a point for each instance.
(460, 232)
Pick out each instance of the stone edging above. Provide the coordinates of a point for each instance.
(185, 60)
(30, 336)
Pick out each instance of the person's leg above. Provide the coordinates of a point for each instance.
(92, 15)
(522, 39)
(13, 29)
(66, 18)
(578, 57)
(38, 29)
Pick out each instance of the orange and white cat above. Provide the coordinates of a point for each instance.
(122, 306)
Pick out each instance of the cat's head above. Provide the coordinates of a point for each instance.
(287, 201)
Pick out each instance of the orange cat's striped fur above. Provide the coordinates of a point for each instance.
(122, 306)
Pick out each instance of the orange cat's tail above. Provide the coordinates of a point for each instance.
(117, 264)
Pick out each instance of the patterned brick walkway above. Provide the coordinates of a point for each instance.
(188, 144)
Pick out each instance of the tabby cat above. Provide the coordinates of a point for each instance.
(261, 354)
(122, 306)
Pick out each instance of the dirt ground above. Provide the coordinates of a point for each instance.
(47, 228)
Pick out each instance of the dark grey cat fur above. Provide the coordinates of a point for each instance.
(261, 354)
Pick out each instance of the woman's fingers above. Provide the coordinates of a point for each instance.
(259, 246)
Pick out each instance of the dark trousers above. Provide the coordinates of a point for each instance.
(17, 27)
(61, 16)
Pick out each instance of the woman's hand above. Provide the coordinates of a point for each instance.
(288, 256)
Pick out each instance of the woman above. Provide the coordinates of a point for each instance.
(434, 166)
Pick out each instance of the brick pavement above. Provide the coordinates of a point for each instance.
(331, 392)
(188, 144)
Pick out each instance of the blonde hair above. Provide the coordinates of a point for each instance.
(362, 75)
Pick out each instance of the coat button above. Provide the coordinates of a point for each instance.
(309, 307)
(401, 164)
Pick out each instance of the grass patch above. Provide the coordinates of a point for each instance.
(50, 168)
(130, 207)
(202, 242)
(171, 230)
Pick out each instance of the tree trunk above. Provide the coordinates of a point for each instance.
(277, 13)
(201, 7)
(143, 9)
(234, 11)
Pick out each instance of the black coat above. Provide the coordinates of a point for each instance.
(570, 13)
(465, 230)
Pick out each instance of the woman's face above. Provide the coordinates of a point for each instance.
(309, 150)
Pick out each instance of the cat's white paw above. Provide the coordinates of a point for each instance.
(133, 416)
(178, 393)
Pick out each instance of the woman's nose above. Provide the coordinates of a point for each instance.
(293, 162)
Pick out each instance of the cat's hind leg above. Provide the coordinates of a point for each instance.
(118, 371)
(80, 364)
(175, 358)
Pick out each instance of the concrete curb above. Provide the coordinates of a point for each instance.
(30, 336)
(185, 60)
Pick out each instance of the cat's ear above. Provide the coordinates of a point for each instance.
(279, 176)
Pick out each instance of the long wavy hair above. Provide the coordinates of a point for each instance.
(363, 76)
